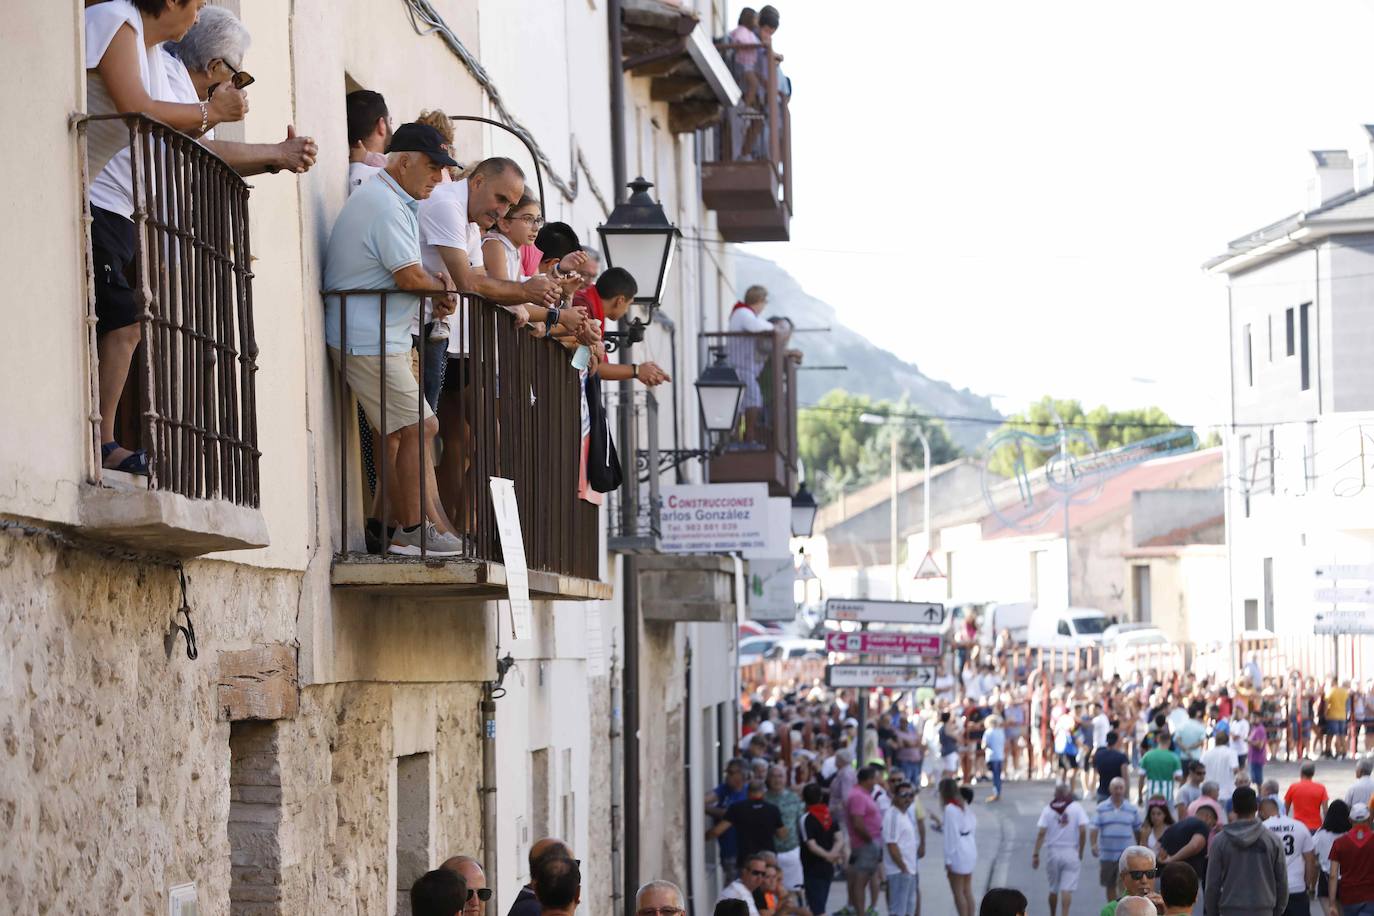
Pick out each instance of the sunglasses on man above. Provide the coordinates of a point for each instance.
(239, 79)
(481, 893)
(1142, 875)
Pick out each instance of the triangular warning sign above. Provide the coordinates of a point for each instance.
(929, 569)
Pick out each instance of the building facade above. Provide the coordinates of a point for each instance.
(1300, 305)
(347, 722)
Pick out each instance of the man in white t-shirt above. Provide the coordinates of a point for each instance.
(1221, 765)
(1299, 853)
(900, 853)
(1101, 725)
(1063, 830)
(369, 135)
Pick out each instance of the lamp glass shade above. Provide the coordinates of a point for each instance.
(719, 391)
(646, 253)
(804, 511)
(638, 237)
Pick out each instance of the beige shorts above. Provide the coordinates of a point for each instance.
(403, 400)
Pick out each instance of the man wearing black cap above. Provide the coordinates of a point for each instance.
(375, 245)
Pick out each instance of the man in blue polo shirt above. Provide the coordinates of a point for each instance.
(1115, 826)
(375, 245)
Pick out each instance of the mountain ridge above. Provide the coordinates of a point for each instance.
(884, 375)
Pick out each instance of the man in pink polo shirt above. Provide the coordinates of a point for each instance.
(865, 824)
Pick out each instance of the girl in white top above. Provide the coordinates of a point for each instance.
(961, 847)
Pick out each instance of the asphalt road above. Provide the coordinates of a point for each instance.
(1006, 837)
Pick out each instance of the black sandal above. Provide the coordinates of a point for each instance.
(135, 463)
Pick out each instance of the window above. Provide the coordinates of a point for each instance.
(1273, 488)
(1269, 593)
(1247, 357)
(1288, 331)
(255, 818)
(539, 791)
(1304, 345)
(1251, 614)
(1269, 320)
(1063, 628)
(1246, 474)
(412, 818)
(1140, 581)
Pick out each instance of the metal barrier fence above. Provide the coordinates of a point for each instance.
(509, 406)
(192, 388)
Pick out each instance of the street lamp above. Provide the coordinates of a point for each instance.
(638, 237)
(804, 511)
(719, 392)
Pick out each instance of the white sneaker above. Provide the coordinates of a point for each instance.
(437, 544)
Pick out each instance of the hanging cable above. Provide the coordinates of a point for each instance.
(421, 12)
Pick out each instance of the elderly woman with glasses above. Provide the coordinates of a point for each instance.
(208, 60)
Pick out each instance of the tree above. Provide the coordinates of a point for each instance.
(850, 453)
(1109, 429)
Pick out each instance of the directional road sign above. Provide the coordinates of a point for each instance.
(927, 644)
(900, 677)
(1352, 594)
(1359, 622)
(1346, 571)
(922, 612)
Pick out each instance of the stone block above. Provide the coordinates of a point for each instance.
(258, 683)
(687, 588)
(169, 523)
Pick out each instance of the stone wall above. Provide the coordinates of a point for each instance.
(116, 775)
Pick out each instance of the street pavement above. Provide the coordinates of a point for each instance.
(1006, 838)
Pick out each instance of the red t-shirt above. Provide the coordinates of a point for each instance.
(1354, 852)
(595, 307)
(1304, 798)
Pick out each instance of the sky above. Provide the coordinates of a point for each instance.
(1017, 197)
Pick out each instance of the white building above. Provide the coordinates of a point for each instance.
(1300, 479)
(329, 744)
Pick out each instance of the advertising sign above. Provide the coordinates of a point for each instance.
(920, 612)
(770, 595)
(929, 645)
(899, 677)
(722, 518)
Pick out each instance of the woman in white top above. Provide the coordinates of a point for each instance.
(961, 847)
(124, 59)
(1336, 822)
(1158, 818)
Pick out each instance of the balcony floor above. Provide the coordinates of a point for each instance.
(455, 578)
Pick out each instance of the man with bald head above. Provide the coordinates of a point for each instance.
(1135, 906)
(470, 870)
(527, 902)
(659, 898)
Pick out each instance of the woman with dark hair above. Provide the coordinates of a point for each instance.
(961, 847)
(731, 908)
(1336, 822)
(1158, 817)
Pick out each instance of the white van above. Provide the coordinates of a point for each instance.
(1067, 628)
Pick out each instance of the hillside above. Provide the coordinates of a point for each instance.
(870, 369)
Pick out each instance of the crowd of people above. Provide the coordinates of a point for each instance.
(1146, 765)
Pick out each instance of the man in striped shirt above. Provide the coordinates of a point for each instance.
(1160, 771)
(1115, 826)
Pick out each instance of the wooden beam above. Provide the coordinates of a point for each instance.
(675, 88)
(686, 117)
(259, 683)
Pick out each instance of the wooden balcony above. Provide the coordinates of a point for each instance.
(763, 448)
(747, 178)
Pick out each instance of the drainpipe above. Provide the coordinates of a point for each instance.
(617, 74)
(630, 586)
(692, 836)
(617, 794)
(489, 792)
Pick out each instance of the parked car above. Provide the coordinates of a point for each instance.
(1139, 647)
(787, 649)
(752, 649)
(754, 628)
(1066, 627)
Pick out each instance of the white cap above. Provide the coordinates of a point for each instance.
(766, 727)
(1359, 812)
